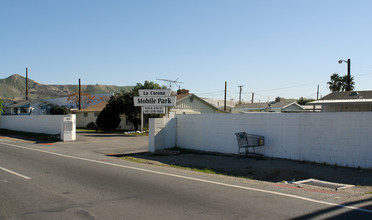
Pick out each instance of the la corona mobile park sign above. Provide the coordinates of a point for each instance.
(152, 99)
(153, 110)
(155, 101)
(154, 92)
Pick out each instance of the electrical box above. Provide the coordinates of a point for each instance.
(68, 131)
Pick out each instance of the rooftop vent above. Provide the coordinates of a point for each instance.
(356, 95)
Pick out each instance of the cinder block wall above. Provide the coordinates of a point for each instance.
(342, 138)
(47, 124)
(162, 133)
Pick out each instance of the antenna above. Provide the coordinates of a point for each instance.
(171, 82)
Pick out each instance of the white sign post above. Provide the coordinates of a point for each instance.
(154, 101)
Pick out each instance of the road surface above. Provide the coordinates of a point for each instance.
(42, 182)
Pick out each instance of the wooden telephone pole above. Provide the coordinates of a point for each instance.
(26, 83)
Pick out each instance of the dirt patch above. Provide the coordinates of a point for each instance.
(266, 169)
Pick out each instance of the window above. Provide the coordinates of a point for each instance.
(85, 114)
(96, 114)
(23, 110)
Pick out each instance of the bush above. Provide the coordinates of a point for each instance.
(59, 110)
(108, 119)
(1, 106)
(91, 125)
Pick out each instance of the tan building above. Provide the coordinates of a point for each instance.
(90, 114)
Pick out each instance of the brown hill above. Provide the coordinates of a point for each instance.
(14, 87)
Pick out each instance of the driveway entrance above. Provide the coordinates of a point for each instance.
(111, 143)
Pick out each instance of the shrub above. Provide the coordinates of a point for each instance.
(59, 110)
(91, 125)
(108, 119)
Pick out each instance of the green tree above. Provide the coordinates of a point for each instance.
(303, 101)
(123, 104)
(335, 83)
(108, 119)
(59, 110)
(339, 83)
(344, 83)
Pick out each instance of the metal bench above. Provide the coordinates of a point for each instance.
(246, 141)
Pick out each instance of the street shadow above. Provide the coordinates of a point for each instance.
(364, 212)
(30, 139)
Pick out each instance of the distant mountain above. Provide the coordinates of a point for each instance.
(14, 87)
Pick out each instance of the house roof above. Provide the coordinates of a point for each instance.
(350, 101)
(183, 96)
(284, 104)
(345, 97)
(94, 108)
(349, 95)
(264, 105)
(294, 103)
(25, 102)
(259, 105)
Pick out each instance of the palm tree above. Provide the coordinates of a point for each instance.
(344, 83)
(336, 83)
(339, 83)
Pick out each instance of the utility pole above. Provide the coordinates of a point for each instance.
(348, 76)
(79, 94)
(317, 93)
(252, 96)
(224, 105)
(26, 83)
(240, 94)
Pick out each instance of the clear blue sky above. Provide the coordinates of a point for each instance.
(273, 48)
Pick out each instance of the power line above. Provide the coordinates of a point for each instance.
(288, 87)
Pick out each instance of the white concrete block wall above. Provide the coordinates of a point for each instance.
(47, 124)
(342, 138)
(162, 133)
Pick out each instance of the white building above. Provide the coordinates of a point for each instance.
(28, 107)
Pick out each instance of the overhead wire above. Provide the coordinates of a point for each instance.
(257, 93)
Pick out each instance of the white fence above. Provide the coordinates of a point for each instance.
(47, 124)
(342, 138)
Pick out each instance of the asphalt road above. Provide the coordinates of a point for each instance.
(42, 182)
